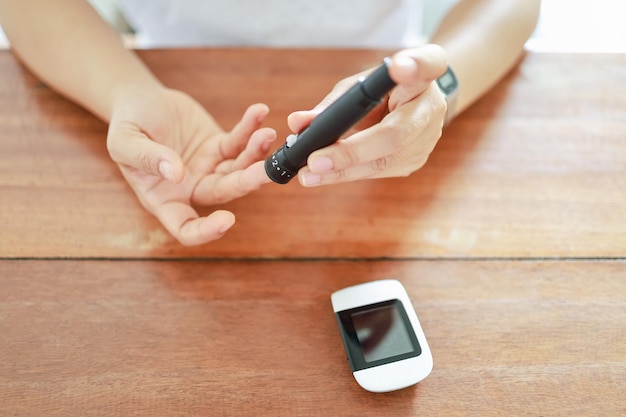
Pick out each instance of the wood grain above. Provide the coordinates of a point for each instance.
(244, 327)
(535, 169)
(145, 338)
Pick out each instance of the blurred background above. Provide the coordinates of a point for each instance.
(564, 25)
(580, 26)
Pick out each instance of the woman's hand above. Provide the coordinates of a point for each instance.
(175, 156)
(397, 137)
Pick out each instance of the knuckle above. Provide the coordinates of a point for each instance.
(402, 135)
(351, 155)
(111, 146)
(341, 176)
(396, 136)
(144, 161)
(439, 133)
(421, 162)
(439, 104)
(380, 164)
(387, 162)
(442, 108)
(417, 164)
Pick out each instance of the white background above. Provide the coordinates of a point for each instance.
(564, 25)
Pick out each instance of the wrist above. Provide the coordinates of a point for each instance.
(127, 92)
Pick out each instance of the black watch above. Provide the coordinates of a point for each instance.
(449, 86)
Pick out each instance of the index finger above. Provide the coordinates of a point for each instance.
(220, 188)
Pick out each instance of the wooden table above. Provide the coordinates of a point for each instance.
(511, 242)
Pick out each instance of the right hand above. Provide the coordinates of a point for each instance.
(175, 156)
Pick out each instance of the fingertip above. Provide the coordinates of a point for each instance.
(437, 51)
(261, 141)
(254, 176)
(405, 62)
(141, 153)
(224, 220)
(262, 107)
(166, 169)
(320, 163)
(309, 179)
(259, 111)
(171, 169)
(404, 69)
(425, 63)
(267, 144)
(426, 53)
(298, 120)
(208, 229)
(267, 134)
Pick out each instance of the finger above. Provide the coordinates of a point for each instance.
(257, 148)
(216, 189)
(183, 222)
(403, 137)
(414, 70)
(371, 150)
(339, 88)
(237, 139)
(401, 163)
(422, 64)
(299, 120)
(360, 172)
(130, 147)
(373, 144)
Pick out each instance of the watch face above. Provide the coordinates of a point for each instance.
(447, 82)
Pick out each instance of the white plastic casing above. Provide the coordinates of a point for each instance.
(394, 375)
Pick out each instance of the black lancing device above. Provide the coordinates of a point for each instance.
(330, 124)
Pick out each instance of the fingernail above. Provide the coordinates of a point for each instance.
(265, 146)
(225, 228)
(406, 62)
(166, 169)
(320, 164)
(310, 179)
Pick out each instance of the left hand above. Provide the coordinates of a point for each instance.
(397, 137)
(177, 158)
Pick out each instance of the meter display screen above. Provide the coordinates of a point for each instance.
(378, 333)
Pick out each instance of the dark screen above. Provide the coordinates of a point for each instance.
(446, 81)
(381, 332)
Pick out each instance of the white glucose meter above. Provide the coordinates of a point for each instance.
(385, 343)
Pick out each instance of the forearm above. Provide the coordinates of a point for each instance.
(484, 39)
(68, 45)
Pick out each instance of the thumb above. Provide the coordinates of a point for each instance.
(414, 70)
(128, 146)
